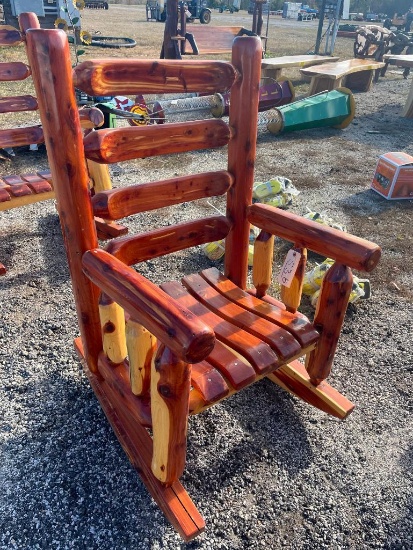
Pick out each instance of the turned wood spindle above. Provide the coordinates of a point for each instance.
(141, 346)
(112, 318)
(263, 259)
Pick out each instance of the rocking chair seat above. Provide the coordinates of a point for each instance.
(254, 338)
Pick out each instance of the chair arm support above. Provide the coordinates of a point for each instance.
(347, 249)
(175, 326)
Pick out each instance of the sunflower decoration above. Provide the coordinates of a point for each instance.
(79, 4)
(61, 24)
(85, 37)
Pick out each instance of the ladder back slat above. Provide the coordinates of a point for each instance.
(116, 145)
(131, 76)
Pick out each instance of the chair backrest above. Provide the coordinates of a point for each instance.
(17, 71)
(52, 71)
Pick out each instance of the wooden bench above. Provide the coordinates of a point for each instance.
(406, 62)
(356, 74)
(273, 66)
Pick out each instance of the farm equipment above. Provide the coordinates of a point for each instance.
(195, 9)
(96, 4)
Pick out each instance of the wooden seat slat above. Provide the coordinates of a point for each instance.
(14, 70)
(259, 354)
(116, 145)
(296, 323)
(209, 382)
(281, 341)
(18, 103)
(342, 68)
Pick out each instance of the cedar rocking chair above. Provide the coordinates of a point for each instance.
(156, 354)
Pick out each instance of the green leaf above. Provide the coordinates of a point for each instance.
(75, 20)
(81, 52)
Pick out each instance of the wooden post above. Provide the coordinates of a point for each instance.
(291, 296)
(112, 319)
(328, 320)
(141, 346)
(100, 176)
(49, 58)
(170, 385)
(246, 58)
(262, 266)
(170, 49)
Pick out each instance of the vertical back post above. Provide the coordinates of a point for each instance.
(243, 120)
(49, 58)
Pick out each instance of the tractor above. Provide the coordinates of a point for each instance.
(194, 9)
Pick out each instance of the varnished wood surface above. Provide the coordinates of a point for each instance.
(190, 338)
(18, 103)
(256, 352)
(294, 378)
(342, 68)
(116, 145)
(281, 341)
(326, 241)
(137, 443)
(296, 323)
(14, 70)
(243, 119)
(329, 316)
(170, 385)
(50, 61)
(213, 40)
(120, 203)
(131, 76)
(296, 61)
(9, 36)
(17, 137)
(263, 260)
(138, 248)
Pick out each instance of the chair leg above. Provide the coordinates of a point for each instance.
(174, 501)
(170, 386)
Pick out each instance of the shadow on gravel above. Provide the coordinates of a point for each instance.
(405, 524)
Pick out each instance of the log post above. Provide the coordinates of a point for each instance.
(99, 174)
(328, 320)
(262, 266)
(141, 346)
(170, 385)
(112, 319)
(291, 296)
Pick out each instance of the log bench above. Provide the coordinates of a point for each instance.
(356, 74)
(406, 62)
(273, 66)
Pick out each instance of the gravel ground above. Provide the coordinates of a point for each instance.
(266, 470)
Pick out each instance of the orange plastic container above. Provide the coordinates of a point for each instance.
(393, 178)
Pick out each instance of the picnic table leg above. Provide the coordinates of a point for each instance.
(360, 81)
(273, 74)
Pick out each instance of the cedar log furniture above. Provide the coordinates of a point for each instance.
(406, 62)
(355, 74)
(21, 189)
(154, 354)
(272, 66)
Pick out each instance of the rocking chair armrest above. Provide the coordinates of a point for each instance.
(347, 249)
(174, 325)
